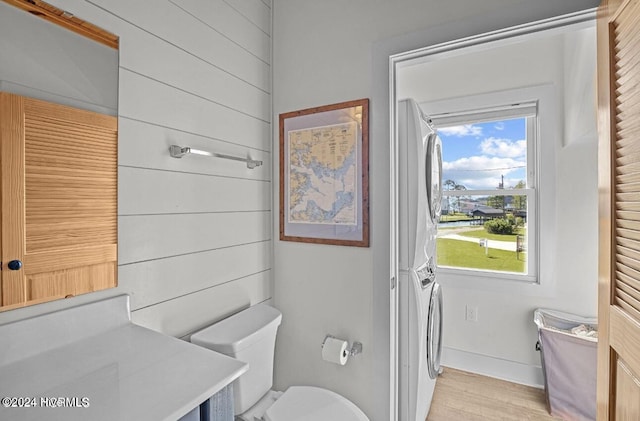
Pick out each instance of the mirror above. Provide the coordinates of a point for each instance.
(58, 132)
(43, 59)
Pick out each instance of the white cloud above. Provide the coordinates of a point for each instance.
(489, 183)
(484, 163)
(499, 126)
(504, 147)
(483, 172)
(461, 131)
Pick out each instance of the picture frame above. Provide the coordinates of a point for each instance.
(324, 174)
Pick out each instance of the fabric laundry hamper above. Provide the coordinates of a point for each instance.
(568, 345)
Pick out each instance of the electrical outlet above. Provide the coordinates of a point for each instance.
(471, 313)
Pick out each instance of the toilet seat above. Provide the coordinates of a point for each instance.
(307, 403)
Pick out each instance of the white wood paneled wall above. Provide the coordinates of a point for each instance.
(194, 233)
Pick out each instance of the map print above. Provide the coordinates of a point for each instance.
(323, 175)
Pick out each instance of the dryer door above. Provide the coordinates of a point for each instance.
(433, 176)
(434, 331)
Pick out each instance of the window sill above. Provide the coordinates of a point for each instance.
(488, 281)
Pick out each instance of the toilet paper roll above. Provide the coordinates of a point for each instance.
(335, 351)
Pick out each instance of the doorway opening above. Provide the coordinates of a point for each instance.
(550, 67)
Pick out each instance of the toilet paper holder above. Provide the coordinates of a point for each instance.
(354, 349)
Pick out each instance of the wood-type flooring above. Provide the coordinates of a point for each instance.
(464, 396)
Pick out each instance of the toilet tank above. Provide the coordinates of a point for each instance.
(248, 336)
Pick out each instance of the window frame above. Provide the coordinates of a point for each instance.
(528, 111)
(540, 179)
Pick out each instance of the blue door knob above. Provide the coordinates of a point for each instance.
(15, 265)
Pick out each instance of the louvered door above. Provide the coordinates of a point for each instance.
(619, 293)
(59, 200)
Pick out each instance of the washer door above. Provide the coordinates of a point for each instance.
(434, 331)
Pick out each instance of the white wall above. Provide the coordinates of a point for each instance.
(332, 51)
(45, 61)
(501, 342)
(193, 253)
(194, 233)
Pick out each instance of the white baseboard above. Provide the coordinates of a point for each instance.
(493, 367)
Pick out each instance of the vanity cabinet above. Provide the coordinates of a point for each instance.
(58, 194)
(110, 369)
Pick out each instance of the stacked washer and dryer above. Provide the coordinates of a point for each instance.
(419, 295)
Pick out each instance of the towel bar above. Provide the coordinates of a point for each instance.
(180, 151)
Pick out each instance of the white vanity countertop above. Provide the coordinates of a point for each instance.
(124, 372)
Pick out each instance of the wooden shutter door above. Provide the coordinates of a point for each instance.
(619, 284)
(12, 217)
(59, 200)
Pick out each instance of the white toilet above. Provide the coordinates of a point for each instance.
(250, 336)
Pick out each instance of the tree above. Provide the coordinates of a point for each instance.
(496, 202)
(520, 202)
(453, 185)
(449, 185)
(503, 226)
(459, 187)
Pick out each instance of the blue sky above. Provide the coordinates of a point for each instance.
(477, 155)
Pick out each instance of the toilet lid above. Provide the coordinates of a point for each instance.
(306, 403)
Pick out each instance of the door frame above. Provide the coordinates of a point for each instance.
(437, 51)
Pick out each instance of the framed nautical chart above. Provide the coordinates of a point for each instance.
(324, 174)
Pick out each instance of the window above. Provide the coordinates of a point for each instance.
(489, 198)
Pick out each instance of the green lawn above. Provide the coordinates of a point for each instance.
(482, 233)
(466, 254)
(455, 217)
